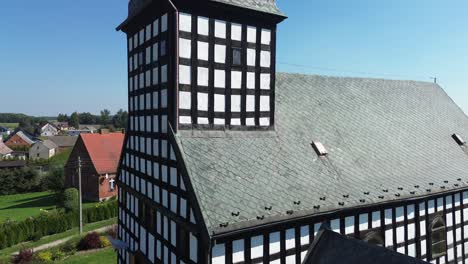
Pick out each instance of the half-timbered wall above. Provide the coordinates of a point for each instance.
(226, 73)
(156, 219)
(404, 227)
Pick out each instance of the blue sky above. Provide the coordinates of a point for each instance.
(63, 56)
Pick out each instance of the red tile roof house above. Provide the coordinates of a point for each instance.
(99, 154)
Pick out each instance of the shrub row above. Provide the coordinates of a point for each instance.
(54, 222)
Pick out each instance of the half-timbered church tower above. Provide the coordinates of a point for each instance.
(227, 161)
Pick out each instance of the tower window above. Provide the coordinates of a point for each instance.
(438, 237)
(236, 56)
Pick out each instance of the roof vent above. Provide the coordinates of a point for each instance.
(458, 139)
(319, 148)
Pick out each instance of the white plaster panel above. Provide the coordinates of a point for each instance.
(203, 28)
(291, 259)
(219, 103)
(220, 29)
(250, 57)
(449, 219)
(156, 27)
(422, 228)
(399, 214)
(375, 219)
(264, 103)
(185, 120)
(238, 251)
(349, 225)
(164, 23)
(465, 197)
(202, 101)
(266, 37)
(265, 59)
(423, 247)
(185, 22)
(203, 76)
(251, 34)
(411, 231)
(430, 206)
(219, 254)
(335, 225)
(250, 80)
(184, 74)
(203, 121)
(412, 250)
(235, 103)
(236, 32)
(250, 106)
(440, 204)
(250, 121)
(388, 237)
(400, 234)
(202, 48)
(185, 48)
(265, 121)
(448, 202)
(235, 122)
(185, 100)
(236, 79)
(274, 243)
(256, 247)
(220, 78)
(219, 121)
(363, 221)
(305, 235)
(290, 238)
(265, 81)
(457, 217)
(220, 53)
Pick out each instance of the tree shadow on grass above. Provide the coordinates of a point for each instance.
(43, 202)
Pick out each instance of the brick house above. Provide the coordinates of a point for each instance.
(99, 154)
(19, 140)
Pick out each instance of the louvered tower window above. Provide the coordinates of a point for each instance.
(438, 237)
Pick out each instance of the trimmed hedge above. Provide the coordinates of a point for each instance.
(54, 222)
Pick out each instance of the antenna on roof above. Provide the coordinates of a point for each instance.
(435, 79)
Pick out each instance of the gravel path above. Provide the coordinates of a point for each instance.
(63, 240)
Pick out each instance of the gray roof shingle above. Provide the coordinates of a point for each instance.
(380, 135)
(265, 6)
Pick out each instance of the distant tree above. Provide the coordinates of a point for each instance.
(120, 119)
(74, 120)
(87, 118)
(26, 124)
(62, 118)
(105, 117)
(19, 181)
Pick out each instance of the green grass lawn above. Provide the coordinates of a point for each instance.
(21, 206)
(5, 254)
(10, 125)
(106, 256)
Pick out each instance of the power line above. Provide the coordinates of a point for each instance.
(327, 69)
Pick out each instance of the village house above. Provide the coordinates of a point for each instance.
(43, 150)
(47, 130)
(228, 161)
(99, 154)
(5, 151)
(64, 142)
(4, 131)
(19, 140)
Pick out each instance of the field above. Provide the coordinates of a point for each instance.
(21, 206)
(101, 257)
(9, 125)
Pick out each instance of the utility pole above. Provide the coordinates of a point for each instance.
(80, 198)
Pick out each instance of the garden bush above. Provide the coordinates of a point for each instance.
(17, 181)
(90, 241)
(44, 256)
(70, 247)
(57, 254)
(105, 242)
(71, 200)
(25, 256)
(52, 222)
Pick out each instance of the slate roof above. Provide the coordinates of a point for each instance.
(49, 144)
(104, 150)
(324, 251)
(265, 6)
(381, 135)
(64, 141)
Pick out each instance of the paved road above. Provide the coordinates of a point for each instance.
(63, 240)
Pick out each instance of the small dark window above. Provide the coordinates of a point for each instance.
(163, 48)
(236, 56)
(438, 237)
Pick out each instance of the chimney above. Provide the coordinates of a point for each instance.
(103, 131)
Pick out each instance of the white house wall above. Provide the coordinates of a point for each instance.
(213, 92)
(404, 228)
